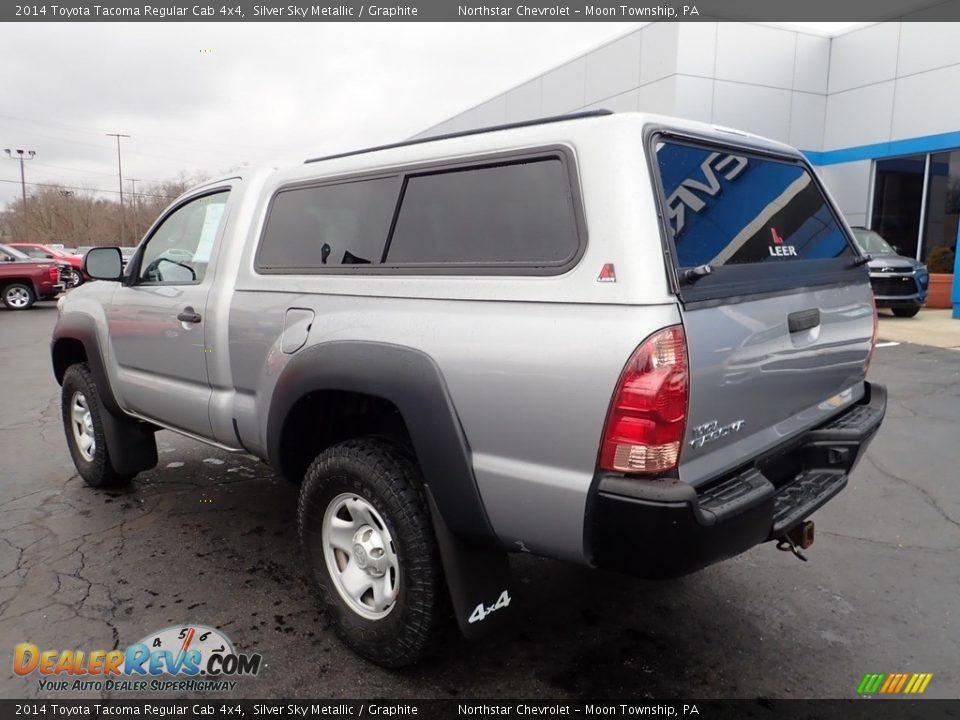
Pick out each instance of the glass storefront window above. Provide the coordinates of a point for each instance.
(897, 200)
(943, 202)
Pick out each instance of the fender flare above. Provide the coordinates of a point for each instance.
(412, 381)
(82, 327)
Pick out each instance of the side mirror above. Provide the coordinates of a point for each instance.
(103, 263)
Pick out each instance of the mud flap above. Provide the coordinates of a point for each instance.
(132, 446)
(478, 580)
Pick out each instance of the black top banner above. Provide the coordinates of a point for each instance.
(482, 11)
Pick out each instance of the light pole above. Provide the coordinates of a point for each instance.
(21, 156)
(136, 208)
(123, 228)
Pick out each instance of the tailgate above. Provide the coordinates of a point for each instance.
(775, 300)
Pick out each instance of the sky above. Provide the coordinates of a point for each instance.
(206, 98)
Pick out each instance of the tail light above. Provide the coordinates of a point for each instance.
(648, 414)
(873, 337)
(54, 273)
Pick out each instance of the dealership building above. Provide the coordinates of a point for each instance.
(875, 109)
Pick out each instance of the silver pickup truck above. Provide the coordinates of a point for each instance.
(626, 340)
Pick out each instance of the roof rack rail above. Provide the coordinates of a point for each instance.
(464, 133)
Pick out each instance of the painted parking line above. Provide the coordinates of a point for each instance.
(887, 344)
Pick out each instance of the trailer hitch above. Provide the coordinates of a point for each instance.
(797, 539)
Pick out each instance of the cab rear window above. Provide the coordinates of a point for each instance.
(760, 223)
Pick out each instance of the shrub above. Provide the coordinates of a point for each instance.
(940, 260)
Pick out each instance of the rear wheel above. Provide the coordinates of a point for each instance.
(18, 296)
(905, 312)
(369, 547)
(83, 424)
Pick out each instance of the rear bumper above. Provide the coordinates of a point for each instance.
(666, 528)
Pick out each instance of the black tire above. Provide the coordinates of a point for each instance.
(906, 312)
(18, 296)
(96, 471)
(74, 279)
(380, 474)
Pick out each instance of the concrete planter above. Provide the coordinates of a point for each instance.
(938, 296)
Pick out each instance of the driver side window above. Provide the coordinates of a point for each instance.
(179, 251)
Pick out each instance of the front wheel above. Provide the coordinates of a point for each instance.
(369, 548)
(906, 312)
(73, 278)
(83, 425)
(18, 296)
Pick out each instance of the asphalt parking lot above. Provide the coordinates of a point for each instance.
(209, 537)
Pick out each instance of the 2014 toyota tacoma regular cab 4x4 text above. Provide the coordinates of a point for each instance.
(622, 340)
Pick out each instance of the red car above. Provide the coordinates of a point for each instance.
(24, 280)
(39, 251)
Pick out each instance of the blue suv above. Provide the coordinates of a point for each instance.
(899, 282)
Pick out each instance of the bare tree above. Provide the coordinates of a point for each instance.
(75, 217)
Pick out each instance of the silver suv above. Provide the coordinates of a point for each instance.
(623, 340)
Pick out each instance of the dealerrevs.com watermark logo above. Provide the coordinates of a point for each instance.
(182, 658)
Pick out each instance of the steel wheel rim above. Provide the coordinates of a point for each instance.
(361, 556)
(73, 279)
(82, 423)
(18, 297)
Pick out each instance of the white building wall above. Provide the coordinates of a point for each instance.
(849, 185)
(860, 116)
(715, 72)
(563, 88)
(880, 83)
(927, 103)
(893, 81)
(613, 69)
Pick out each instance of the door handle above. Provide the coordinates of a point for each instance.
(189, 315)
(803, 320)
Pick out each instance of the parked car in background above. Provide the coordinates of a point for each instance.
(899, 282)
(74, 263)
(24, 280)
